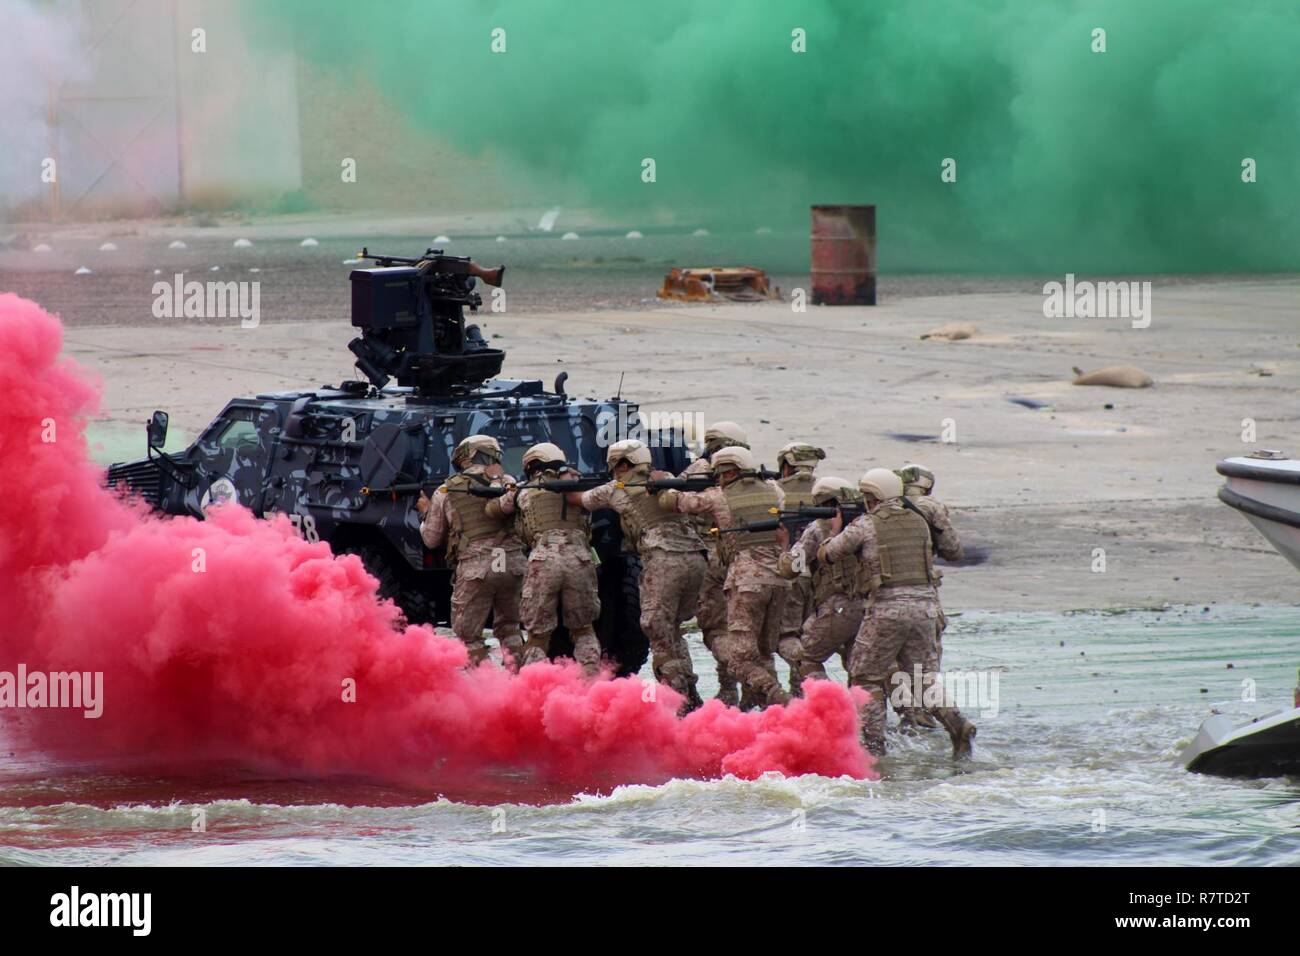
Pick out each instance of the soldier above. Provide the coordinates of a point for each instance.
(672, 562)
(482, 546)
(797, 461)
(918, 488)
(712, 613)
(755, 592)
(561, 570)
(893, 545)
(837, 605)
(918, 483)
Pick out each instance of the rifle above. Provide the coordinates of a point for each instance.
(693, 483)
(562, 485)
(406, 488)
(794, 520)
(419, 487)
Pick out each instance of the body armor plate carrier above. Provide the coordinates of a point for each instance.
(471, 510)
(548, 511)
(903, 544)
(749, 499)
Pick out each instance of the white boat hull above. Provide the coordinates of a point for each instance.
(1267, 493)
(1268, 746)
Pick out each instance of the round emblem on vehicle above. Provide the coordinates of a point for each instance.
(220, 492)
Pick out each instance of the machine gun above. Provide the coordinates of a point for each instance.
(410, 312)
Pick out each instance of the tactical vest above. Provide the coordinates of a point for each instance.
(842, 577)
(749, 499)
(797, 488)
(548, 511)
(903, 544)
(475, 522)
(644, 512)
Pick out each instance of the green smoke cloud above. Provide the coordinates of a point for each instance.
(1128, 160)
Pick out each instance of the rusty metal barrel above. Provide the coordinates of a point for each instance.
(844, 255)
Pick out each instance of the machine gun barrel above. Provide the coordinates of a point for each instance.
(448, 265)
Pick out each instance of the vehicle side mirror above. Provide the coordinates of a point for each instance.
(157, 430)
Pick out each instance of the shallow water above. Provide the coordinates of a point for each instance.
(1078, 766)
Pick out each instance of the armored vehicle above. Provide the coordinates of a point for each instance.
(347, 462)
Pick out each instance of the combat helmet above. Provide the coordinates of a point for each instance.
(881, 484)
(476, 450)
(800, 456)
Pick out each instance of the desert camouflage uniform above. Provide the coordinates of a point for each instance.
(900, 625)
(561, 572)
(799, 602)
(672, 570)
(837, 608)
(947, 545)
(755, 595)
(489, 561)
(711, 614)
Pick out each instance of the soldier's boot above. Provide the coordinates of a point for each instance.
(586, 651)
(679, 676)
(535, 649)
(874, 715)
(811, 670)
(776, 694)
(512, 651)
(728, 692)
(791, 651)
(765, 688)
(760, 696)
(960, 730)
(728, 689)
(912, 720)
(478, 651)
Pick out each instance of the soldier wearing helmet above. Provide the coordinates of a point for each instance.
(712, 613)
(672, 556)
(837, 604)
(561, 572)
(892, 546)
(482, 545)
(796, 461)
(918, 487)
(755, 592)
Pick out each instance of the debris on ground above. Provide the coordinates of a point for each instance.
(952, 332)
(743, 284)
(1027, 402)
(1116, 376)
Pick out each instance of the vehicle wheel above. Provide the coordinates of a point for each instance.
(396, 584)
(619, 627)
